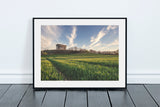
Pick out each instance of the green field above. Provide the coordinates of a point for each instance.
(79, 67)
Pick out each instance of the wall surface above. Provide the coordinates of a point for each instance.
(16, 33)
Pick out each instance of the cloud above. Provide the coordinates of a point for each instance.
(107, 47)
(114, 43)
(96, 39)
(45, 42)
(51, 31)
(112, 27)
(84, 47)
(104, 31)
(49, 36)
(97, 45)
(72, 37)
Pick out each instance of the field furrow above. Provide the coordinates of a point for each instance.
(49, 72)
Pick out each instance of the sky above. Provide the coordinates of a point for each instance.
(95, 37)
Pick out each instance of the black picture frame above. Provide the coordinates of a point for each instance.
(33, 33)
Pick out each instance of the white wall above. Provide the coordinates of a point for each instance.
(16, 33)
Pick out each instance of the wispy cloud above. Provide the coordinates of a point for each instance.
(45, 42)
(100, 35)
(72, 37)
(84, 47)
(107, 47)
(114, 43)
(49, 36)
(96, 39)
(112, 27)
(99, 44)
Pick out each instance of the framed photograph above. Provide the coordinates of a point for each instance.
(79, 52)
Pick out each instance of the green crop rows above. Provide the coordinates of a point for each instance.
(79, 67)
(49, 72)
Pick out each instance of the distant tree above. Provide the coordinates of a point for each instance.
(44, 53)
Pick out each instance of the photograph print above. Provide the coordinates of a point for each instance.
(88, 54)
(79, 52)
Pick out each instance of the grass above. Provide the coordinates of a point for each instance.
(49, 72)
(80, 67)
